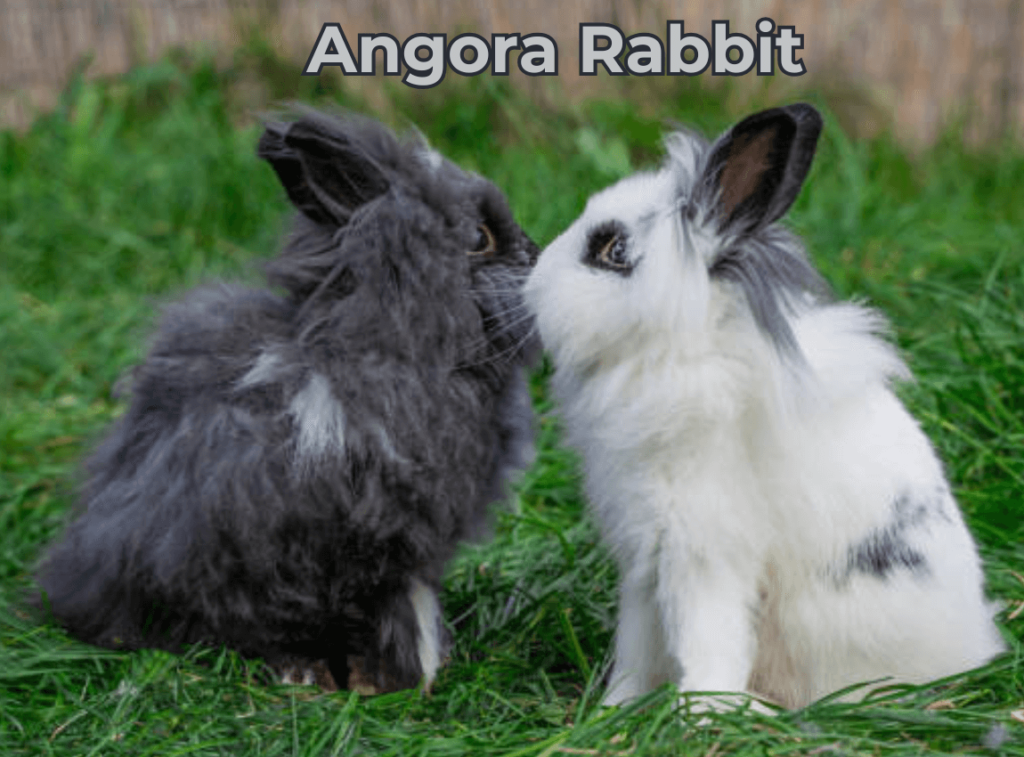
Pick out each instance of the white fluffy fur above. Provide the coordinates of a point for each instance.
(428, 620)
(732, 483)
(319, 417)
(265, 369)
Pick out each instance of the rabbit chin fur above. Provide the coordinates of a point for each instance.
(781, 524)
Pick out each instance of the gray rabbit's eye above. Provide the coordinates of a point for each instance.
(485, 243)
(607, 249)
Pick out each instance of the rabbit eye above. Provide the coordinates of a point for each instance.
(485, 243)
(614, 252)
(607, 249)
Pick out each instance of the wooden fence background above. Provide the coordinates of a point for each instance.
(914, 65)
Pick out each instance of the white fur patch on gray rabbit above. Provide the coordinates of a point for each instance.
(297, 465)
(781, 524)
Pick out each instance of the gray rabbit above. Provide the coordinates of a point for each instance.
(298, 463)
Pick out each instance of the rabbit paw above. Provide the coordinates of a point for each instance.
(359, 680)
(307, 673)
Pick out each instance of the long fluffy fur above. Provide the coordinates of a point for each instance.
(296, 466)
(781, 524)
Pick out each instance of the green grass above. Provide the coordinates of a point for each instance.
(137, 189)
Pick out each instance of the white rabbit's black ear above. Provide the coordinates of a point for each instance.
(326, 175)
(757, 168)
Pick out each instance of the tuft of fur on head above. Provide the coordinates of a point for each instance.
(297, 464)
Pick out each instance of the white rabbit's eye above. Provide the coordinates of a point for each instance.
(607, 249)
(614, 252)
(485, 244)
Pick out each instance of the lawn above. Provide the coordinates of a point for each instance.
(138, 188)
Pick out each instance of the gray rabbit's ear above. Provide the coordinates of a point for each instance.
(326, 175)
(757, 168)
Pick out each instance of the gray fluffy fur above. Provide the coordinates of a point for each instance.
(293, 458)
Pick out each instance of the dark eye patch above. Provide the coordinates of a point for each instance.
(608, 248)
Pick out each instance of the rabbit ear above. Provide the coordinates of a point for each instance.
(326, 175)
(756, 170)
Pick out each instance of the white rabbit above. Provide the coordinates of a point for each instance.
(781, 524)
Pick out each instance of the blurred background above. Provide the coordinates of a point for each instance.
(915, 67)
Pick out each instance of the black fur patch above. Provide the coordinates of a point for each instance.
(885, 551)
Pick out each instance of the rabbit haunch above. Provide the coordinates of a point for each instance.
(296, 467)
(781, 524)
